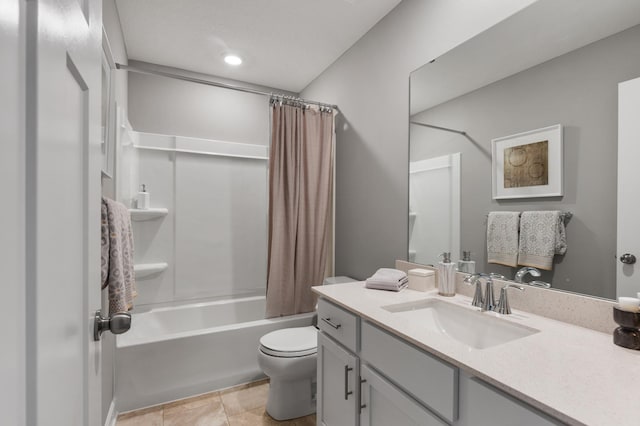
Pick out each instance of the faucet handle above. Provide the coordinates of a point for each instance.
(503, 304)
(478, 299)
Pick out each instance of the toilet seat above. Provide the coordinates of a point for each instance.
(290, 342)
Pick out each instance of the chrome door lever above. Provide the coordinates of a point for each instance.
(116, 324)
(628, 259)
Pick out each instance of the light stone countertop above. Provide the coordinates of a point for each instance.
(572, 373)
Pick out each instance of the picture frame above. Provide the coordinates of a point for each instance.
(528, 164)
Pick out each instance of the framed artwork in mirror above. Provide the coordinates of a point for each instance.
(528, 164)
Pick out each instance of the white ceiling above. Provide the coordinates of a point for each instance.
(284, 43)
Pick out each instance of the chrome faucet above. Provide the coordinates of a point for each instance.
(489, 301)
(522, 272)
(486, 302)
(503, 304)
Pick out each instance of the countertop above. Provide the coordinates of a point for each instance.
(572, 373)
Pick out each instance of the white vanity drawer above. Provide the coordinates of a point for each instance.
(427, 379)
(338, 323)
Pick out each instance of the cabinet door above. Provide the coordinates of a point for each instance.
(383, 404)
(482, 404)
(338, 391)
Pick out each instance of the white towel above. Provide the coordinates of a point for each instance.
(387, 279)
(542, 236)
(502, 238)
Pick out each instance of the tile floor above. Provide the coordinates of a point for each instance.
(239, 406)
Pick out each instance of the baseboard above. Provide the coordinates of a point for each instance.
(112, 415)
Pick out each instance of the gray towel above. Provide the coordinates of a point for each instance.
(117, 256)
(502, 238)
(542, 236)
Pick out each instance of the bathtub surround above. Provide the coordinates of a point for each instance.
(300, 205)
(214, 236)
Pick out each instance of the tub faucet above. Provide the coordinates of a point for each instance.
(524, 271)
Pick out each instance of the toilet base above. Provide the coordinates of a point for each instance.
(289, 399)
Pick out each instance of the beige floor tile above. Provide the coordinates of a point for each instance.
(242, 400)
(194, 401)
(257, 417)
(199, 411)
(309, 420)
(146, 417)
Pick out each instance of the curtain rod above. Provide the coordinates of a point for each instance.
(446, 129)
(222, 85)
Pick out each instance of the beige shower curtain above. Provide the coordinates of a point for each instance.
(300, 206)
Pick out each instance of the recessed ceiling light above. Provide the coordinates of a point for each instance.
(233, 59)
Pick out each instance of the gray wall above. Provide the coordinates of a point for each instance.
(370, 83)
(176, 107)
(578, 90)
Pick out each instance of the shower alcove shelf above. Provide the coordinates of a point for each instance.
(143, 270)
(140, 215)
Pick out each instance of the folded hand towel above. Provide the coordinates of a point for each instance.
(387, 279)
(502, 238)
(117, 256)
(542, 235)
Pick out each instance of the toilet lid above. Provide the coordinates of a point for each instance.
(290, 342)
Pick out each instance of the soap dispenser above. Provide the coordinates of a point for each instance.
(446, 276)
(144, 199)
(467, 265)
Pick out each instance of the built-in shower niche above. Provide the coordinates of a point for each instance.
(209, 218)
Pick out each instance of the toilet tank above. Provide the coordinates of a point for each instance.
(338, 280)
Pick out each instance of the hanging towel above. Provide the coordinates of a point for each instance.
(387, 279)
(117, 256)
(542, 235)
(502, 238)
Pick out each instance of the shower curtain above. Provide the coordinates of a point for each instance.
(300, 205)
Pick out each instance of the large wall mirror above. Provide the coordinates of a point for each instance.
(551, 63)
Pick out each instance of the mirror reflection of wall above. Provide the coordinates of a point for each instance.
(577, 89)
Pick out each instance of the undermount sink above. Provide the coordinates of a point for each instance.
(472, 328)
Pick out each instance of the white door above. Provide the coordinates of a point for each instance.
(63, 89)
(628, 277)
(434, 213)
(12, 167)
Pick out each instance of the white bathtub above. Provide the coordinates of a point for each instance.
(173, 353)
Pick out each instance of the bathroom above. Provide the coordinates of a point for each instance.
(185, 140)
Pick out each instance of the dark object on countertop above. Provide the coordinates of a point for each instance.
(628, 334)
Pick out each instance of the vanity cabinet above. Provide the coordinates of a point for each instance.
(384, 404)
(338, 392)
(351, 394)
(369, 376)
(482, 404)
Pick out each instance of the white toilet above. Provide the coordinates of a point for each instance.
(289, 356)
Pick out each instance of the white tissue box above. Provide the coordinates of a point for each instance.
(422, 279)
